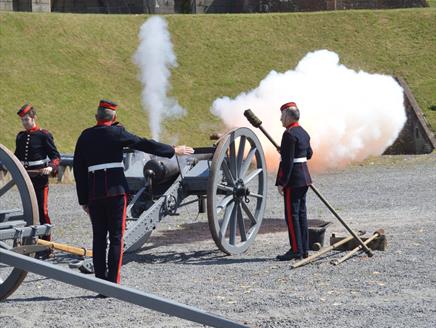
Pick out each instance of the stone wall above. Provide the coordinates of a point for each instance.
(41, 5)
(252, 6)
(25, 5)
(374, 4)
(200, 6)
(6, 5)
(416, 136)
(125, 6)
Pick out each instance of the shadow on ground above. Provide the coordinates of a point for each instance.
(209, 257)
(190, 233)
(199, 231)
(47, 299)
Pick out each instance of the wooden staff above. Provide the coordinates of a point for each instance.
(321, 252)
(81, 251)
(377, 234)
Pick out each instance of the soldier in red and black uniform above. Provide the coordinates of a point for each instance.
(293, 179)
(102, 187)
(36, 150)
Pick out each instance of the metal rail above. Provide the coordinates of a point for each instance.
(107, 288)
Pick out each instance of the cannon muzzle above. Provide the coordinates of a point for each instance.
(161, 170)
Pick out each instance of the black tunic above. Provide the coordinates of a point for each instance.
(295, 144)
(36, 145)
(102, 144)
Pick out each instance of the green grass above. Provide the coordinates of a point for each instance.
(432, 3)
(64, 63)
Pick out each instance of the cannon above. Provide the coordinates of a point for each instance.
(228, 179)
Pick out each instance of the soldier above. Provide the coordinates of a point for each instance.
(36, 150)
(102, 187)
(293, 179)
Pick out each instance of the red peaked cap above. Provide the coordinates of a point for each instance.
(107, 104)
(24, 109)
(287, 105)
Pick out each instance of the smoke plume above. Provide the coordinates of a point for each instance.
(350, 115)
(155, 58)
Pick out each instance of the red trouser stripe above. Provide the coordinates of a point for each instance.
(45, 205)
(289, 219)
(46, 218)
(122, 240)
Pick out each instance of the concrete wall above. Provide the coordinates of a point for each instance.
(6, 5)
(41, 5)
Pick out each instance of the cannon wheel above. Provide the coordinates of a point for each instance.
(20, 188)
(236, 194)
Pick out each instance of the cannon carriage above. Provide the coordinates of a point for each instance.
(229, 179)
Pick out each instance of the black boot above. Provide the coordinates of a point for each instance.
(288, 256)
(44, 255)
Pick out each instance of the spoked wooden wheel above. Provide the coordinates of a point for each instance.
(18, 208)
(236, 194)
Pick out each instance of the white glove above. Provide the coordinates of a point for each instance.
(183, 150)
(46, 170)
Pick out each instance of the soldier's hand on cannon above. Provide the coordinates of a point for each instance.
(280, 190)
(46, 170)
(183, 150)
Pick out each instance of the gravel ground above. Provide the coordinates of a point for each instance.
(395, 288)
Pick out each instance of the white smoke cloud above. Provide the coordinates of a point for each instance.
(155, 58)
(350, 115)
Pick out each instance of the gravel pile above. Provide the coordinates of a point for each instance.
(395, 288)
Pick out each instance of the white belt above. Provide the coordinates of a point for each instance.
(105, 166)
(300, 160)
(34, 163)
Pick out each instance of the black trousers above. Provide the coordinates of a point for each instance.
(108, 216)
(42, 198)
(296, 219)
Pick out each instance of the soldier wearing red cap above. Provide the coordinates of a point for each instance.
(36, 150)
(293, 179)
(102, 187)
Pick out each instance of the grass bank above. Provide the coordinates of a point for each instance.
(64, 63)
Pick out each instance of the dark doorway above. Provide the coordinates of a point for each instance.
(185, 6)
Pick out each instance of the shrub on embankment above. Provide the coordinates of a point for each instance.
(64, 63)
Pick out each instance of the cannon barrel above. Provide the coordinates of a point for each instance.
(161, 170)
(66, 160)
